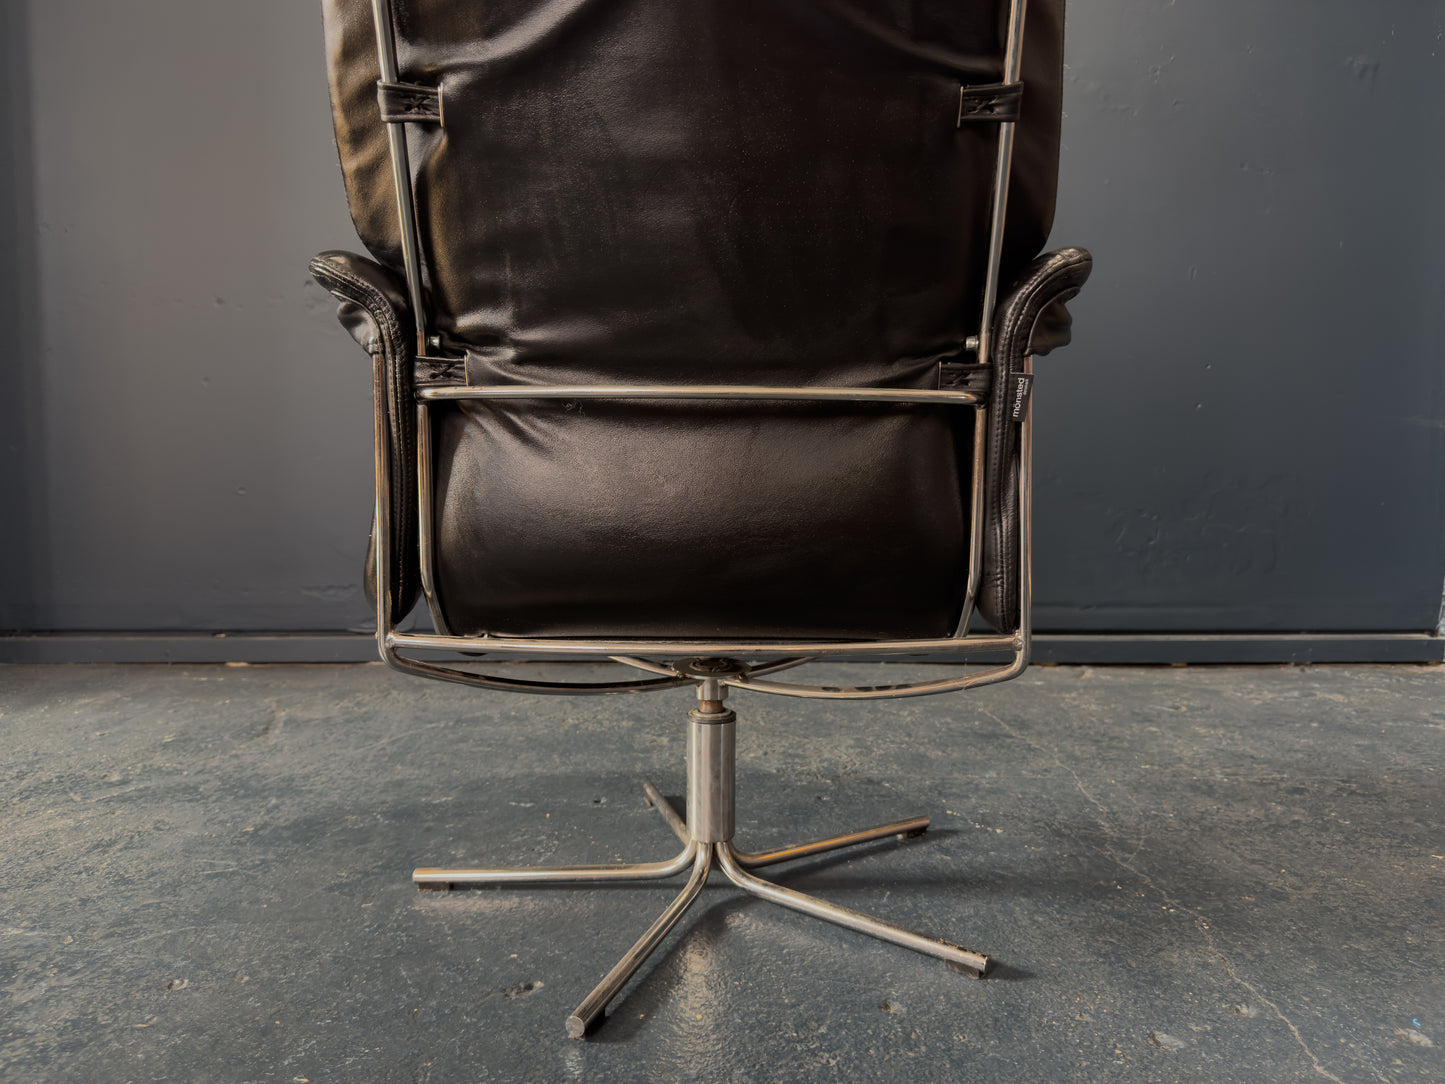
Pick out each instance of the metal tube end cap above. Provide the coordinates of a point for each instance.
(979, 972)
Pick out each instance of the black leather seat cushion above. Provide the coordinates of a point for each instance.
(700, 191)
(730, 514)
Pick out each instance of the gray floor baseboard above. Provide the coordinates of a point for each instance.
(189, 647)
(1208, 648)
(1101, 649)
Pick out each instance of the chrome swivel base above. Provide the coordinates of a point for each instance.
(706, 835)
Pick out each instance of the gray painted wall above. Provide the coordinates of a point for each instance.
(194, 424)
(1249, 433)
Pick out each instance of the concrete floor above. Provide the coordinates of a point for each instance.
(1186, 875)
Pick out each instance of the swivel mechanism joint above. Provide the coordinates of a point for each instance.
(711, 675)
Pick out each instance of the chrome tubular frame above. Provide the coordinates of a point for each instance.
(636, 652)
(1013, 65)
(706, 832)
(401, 173)
(425, 511)
(699, 391)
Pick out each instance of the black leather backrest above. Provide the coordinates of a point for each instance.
(727, 189)
(700, 191)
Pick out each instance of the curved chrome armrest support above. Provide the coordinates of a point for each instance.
(772, 667)
(886, 692)
(520, 685)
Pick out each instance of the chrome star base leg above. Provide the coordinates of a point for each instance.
(427, 877)
(975, 963)
(588, 1015)
(913, 826)
(706, 835)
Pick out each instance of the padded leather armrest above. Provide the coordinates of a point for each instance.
(373, 300)
(1025, 321)
(373, 308)
(1022, 327)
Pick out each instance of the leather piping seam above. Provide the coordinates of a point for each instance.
(1050, 279)
(353, 288)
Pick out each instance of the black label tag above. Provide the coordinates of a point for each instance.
(1021, 387)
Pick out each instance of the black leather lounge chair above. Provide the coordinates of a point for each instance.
(702, 336)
